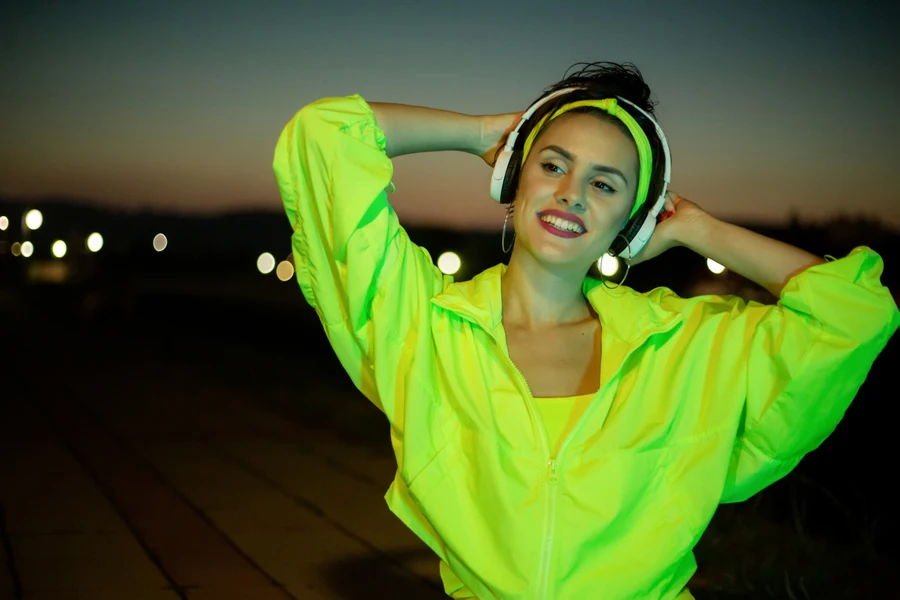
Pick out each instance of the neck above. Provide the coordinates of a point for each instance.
(536, 296)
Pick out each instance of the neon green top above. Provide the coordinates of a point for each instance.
(701, 400)
(560, 415)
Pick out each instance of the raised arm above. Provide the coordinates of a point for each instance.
(369, 284)
(411, 129)
(763, 260)
(788, 372)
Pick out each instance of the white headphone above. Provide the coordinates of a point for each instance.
(640, 227)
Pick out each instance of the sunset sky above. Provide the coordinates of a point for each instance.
(768, 106)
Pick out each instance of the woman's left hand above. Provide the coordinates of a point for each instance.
(675, 221)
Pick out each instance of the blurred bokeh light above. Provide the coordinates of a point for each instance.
(4, 223)
(59, 248)
(285, 270)
(27, 249)
(608, 264)
(449, 263)
(16, 248)
(714, 266)
(265, 263)
(94, 242)
(34, 219)
(160, 242)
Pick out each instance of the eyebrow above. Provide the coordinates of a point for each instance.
(601, 168)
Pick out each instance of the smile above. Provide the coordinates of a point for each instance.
(560, 226)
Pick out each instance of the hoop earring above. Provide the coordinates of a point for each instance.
(627, 266)
(509, 211)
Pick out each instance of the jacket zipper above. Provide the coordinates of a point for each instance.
(549, 526)
(552, 475)
(550, 502)
(552, 480)
(550, 518)
(553, 463)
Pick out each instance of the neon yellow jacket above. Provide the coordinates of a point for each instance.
(702, 400)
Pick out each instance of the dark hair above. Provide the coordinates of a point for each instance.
(605, 80)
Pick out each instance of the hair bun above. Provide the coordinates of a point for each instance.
(605, 79)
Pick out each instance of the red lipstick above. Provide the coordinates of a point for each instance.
(562, 215)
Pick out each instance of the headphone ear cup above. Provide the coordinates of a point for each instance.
(631, 229)
(639, 229)
(510, 180)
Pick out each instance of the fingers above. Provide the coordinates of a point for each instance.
(670, 200)
(667, 211)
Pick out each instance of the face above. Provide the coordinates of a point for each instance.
(575, 192)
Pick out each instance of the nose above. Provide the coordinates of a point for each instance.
(569, 192)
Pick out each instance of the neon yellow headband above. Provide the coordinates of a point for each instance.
(645, 156)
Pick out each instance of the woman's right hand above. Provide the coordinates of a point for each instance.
(494, 131)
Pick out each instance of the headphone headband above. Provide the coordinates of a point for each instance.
(514, 134)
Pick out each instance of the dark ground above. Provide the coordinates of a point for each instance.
(828, 530)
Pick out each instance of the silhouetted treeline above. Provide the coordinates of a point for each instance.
(228, 245)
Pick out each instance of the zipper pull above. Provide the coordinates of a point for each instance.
(552, 477)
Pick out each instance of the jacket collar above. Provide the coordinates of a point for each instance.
(627, 314)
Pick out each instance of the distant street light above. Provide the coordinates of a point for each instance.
(94, 242)
(34, 219)
(609, 265)
(285, 270)
(160, 242)
(714, 266)
(449, 263)
(27, 249)
(59, 248)
(265, 263)
(4, 223)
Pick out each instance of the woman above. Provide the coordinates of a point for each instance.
(556, 438)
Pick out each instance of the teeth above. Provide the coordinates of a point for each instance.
(562, 224)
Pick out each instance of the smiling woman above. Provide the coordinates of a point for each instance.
(556, 438)
(578, 179)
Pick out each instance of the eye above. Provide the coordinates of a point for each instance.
(550, 167)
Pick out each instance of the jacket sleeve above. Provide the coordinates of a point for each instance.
(354, 262)
(806, 360)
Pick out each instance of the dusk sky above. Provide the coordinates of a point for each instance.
(768, 106)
